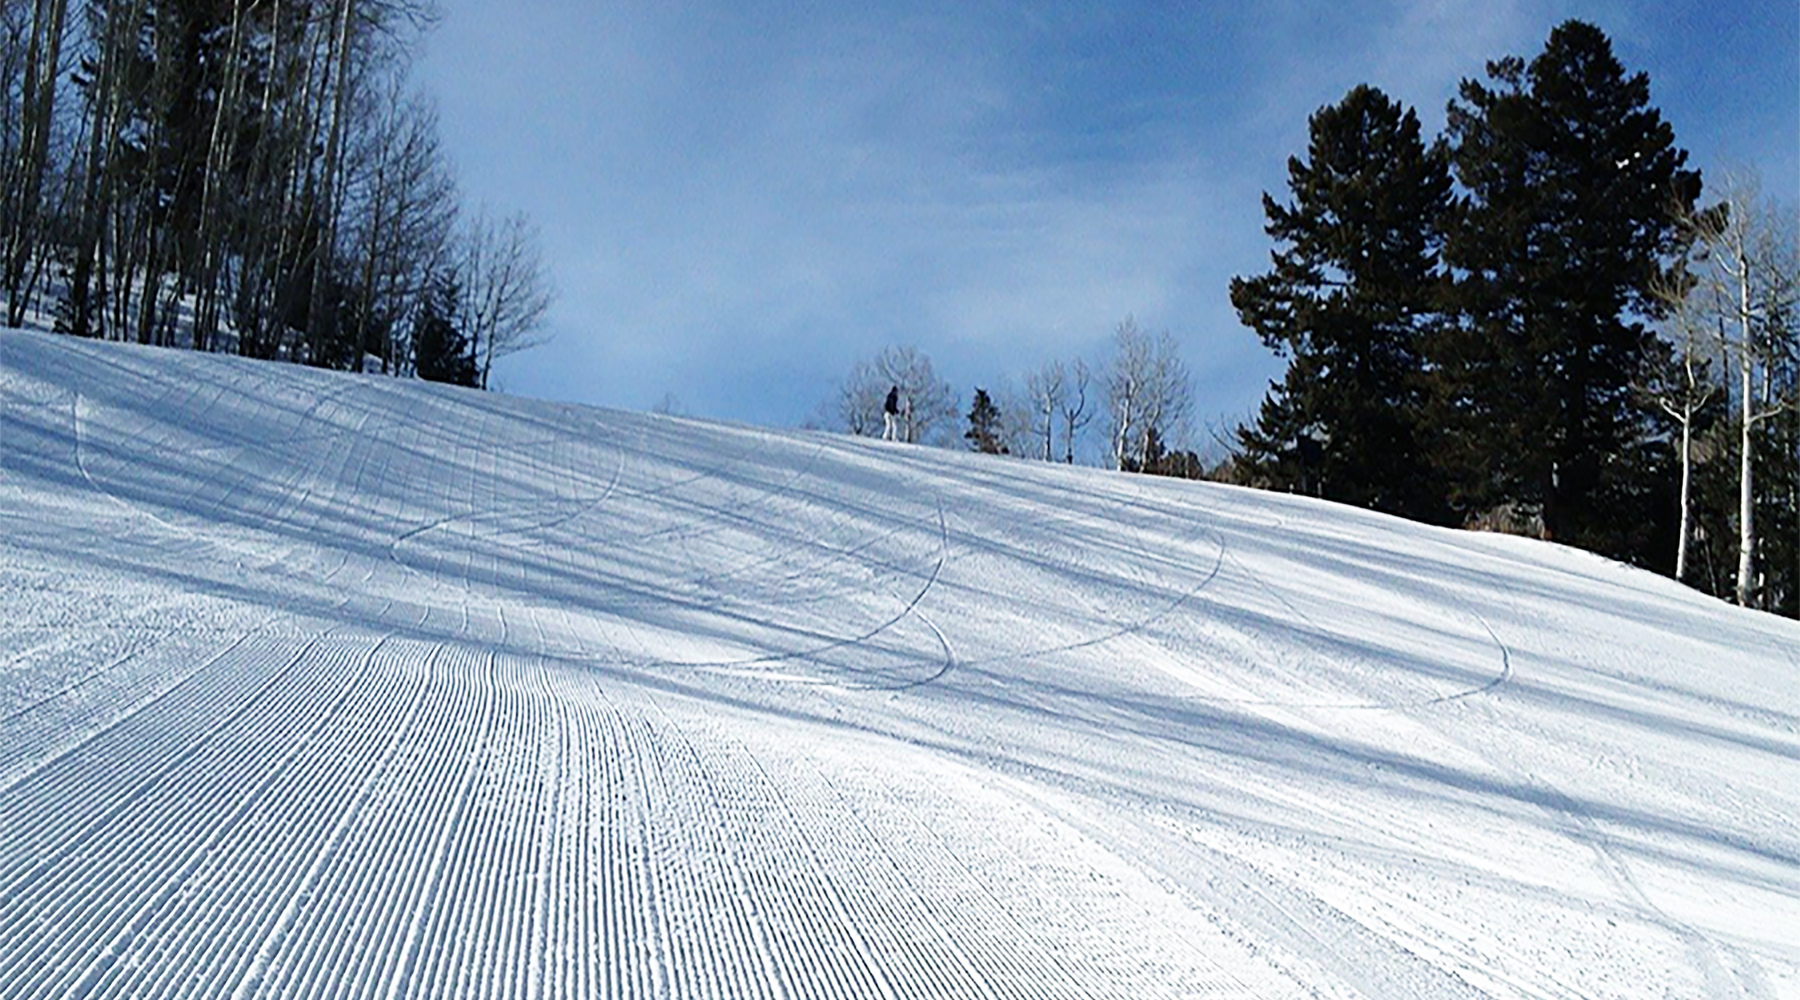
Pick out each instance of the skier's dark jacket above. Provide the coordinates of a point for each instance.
(893, 400)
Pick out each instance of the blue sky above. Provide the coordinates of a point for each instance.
(740, 199)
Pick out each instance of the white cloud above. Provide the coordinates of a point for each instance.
(768, 192)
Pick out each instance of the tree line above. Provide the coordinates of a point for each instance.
(1532, 323)
(1138, 396)
(252, 176)
(1527, 324)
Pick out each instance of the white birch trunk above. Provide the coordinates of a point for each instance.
(1746, 489)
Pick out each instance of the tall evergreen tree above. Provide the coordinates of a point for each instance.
(985, 434)
(441, 351)
(1574, 186)
(1353, 290)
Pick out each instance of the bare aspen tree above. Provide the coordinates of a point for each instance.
(860, 398)
(1073, 409)
(21, 207)
(317, 60)
(1126, 373)
(506, 288)
(326, 191)
(1747, 282)
(1147, 391)
(255, 160)
(1682, 386)
(153, 240)
(112, 36)
(928, 405)
(15, 26)
(1044, 390)
(400, 231)
(97, 291)
(17, 23)
(221, 149)
(1170, 402)
(140, 263)
(1017, 431)
(275, 165)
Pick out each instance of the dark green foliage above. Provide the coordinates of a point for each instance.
(1352, 293)
(1483, 356)
(76, 314)
(1159, 461)
(1779, 519)
(984, 433)
(1282, 452)
(335, 343)
(1713, 569)
(1574, 185)
(441, 351)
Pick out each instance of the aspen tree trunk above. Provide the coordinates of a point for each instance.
(1124, 417)
(1747, 372)
(1682, 409)
(43, 63)
(377, 220)
(219, 150)
(372, 251)
(91, 225)
(1746, 492)
(250, 298)
(148, 265)
(1756, 284)
(1793, 483)
(299, 181)
(118, 304)
(325, 197)
(291, 175)
(1687, 480)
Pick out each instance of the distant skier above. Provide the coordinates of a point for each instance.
(890, 415)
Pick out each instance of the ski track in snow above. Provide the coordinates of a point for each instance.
(326, 686)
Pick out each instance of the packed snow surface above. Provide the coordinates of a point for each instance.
(319, 685)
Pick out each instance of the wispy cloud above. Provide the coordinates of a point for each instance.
(744, 198)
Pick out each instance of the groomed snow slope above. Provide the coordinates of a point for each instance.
(315, 685)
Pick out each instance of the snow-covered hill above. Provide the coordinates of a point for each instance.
(322, 685)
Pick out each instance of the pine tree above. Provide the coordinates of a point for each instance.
(1352, 292)
(984, 434)
(441, 351)
(1575, 184)
(1282, 451)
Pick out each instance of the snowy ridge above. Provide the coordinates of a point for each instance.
(315, 685)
